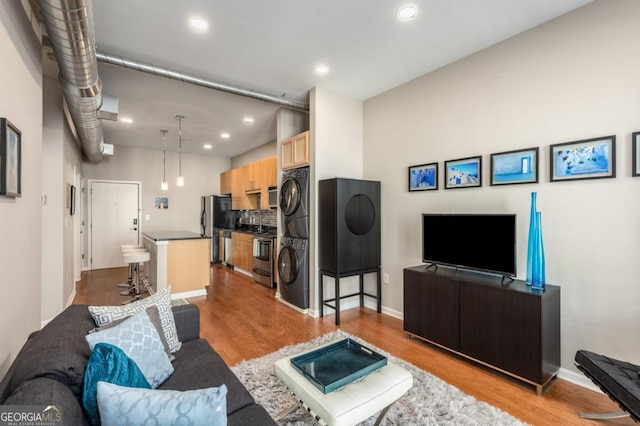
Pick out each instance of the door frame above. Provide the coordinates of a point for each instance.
(90, 206)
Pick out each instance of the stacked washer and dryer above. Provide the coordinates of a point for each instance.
(293, 258)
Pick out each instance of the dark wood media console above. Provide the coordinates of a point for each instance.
(510, 328)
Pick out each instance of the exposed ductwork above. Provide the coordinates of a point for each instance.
(69, 24)
(198, 81)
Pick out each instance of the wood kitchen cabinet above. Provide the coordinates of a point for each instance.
(242, 251)
(269, 170)
(295, 151)
(225, 182)
(246, 182)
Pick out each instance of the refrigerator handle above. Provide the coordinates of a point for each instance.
(202, 221)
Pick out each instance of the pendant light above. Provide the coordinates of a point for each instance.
(164, 185)
(180, 181)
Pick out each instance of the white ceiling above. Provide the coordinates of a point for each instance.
(272, 47)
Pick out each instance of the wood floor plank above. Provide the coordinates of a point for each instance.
(242, 320)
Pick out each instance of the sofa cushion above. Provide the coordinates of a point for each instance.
(59, 351)
(254, 415)
(162, 299)
(198, 366)
(45, 392)
(139, 340)
(108, 364)
(132, 406)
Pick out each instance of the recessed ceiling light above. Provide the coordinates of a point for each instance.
(248, 120)
(207, 146)
(126, 120)
(198, 23)
(322, 69)
(406, 13)
(225, 135)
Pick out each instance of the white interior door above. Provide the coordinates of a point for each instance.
(114, 221)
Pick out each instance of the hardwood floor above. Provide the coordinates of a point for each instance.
(242, 320)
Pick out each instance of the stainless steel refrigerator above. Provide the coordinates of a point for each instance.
(216, 214)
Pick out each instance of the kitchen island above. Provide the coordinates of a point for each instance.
(180, 259)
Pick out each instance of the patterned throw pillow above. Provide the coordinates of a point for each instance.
(108, 364)
(139, 340)
(130, 406)
(103, 315)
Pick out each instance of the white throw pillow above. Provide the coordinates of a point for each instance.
(138, 338)
(135, 406)
(103, 315)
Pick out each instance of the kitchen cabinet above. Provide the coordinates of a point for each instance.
(269, 173)
(225, 182)
(295, 151)
(246, 182)
(242, 251)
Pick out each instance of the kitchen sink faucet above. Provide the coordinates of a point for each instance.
(253, 212)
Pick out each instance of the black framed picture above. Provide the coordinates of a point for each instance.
(423, 177)
(10, 159)
(586, 159)
(463, 173)
(635, 149)
(513, 167)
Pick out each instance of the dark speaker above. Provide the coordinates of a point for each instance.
(349, 225)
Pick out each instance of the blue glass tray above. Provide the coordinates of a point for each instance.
(338, 364)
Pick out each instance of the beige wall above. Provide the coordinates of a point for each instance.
(21, 88)
(60, 161)
(573, 78)
(266, 150)
(201, 173)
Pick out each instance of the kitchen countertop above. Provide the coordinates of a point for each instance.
(173, 235)
(267, 231)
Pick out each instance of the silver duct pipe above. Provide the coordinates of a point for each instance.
(69, 24)
(191, 79)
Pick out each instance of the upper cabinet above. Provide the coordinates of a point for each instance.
(246, 182)
(295, 151)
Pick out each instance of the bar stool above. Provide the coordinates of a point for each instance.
(134, 259)
(129, 283)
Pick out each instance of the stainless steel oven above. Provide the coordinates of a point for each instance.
(263, 260)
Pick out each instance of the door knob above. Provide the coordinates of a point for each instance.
(133, 229)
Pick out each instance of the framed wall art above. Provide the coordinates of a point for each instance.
(10, 159)
(423, 177)
(463, 173)
(512, 167)
(635, 149)
(587, 159)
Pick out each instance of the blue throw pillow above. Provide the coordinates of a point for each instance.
(108, 364)
(139, 340)
(129, 406)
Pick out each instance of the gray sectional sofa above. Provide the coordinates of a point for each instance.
(50, 367)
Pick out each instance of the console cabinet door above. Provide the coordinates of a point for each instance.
(502, 328)
(431, 308)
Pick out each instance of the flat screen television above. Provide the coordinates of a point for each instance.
(483, 242)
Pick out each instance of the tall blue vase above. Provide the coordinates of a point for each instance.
(538, 277)
(532, 237)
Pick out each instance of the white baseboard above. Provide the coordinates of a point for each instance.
(187, 294)
(294, 307)
(577, 379)
(73, 296)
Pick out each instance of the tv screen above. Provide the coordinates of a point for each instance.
(485, 242)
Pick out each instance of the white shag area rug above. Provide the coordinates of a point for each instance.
(431, 401)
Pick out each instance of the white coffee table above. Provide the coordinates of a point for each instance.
(352, 403)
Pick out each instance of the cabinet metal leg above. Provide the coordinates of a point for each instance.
(337, 301)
